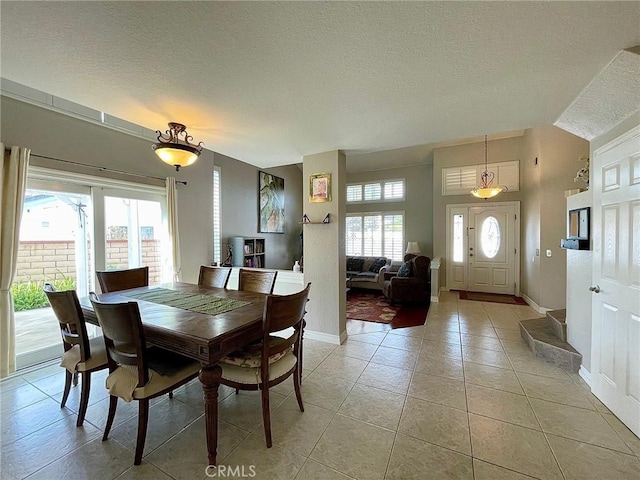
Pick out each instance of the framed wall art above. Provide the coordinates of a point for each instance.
(320, 187)
(271, 203)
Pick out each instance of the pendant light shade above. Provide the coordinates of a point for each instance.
(175, 148)
(486, 189)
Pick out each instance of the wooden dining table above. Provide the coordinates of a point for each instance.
(203, 337)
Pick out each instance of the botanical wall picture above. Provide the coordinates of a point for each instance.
(271, 198)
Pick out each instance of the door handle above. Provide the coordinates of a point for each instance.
(595, 289)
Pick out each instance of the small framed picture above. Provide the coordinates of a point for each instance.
(320, 187)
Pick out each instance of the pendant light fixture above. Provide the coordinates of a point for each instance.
(173, 149)
(486, 189)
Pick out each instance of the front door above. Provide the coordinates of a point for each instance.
(615, 345)
(482, 253)
(492, 250)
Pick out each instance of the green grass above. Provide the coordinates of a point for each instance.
(29, 295)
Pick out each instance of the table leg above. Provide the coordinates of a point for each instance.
(210, 379)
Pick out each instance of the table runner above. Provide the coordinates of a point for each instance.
(194, 302)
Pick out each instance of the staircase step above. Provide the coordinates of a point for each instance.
(557, 320)
(544, 343)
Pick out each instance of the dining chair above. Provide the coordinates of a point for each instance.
(214, 276)
(135, 371)
(82, 355)
(116, 280)
(260, 366)
(258, 281)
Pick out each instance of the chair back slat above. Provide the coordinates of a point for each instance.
(257, 281)
(214, 276)
(116, 280)
(123, 335)
(282, 312)
(73, 329)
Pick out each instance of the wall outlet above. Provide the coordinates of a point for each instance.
(548, 253)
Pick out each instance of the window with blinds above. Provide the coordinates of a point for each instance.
(382, 191)
(217, 228)
(375, 234)
(460, 180)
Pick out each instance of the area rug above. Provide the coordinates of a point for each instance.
(491, 297)
(373, 307)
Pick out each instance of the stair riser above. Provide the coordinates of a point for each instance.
(564, 359)
(559, 328)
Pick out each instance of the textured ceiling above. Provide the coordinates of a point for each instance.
(269, 82)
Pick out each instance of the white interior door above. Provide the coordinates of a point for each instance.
(492, 251)
(616, 278)
(482, 247)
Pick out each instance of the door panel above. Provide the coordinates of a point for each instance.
(492, 249)
(616, 303)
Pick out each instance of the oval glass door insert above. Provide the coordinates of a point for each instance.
(490, 236)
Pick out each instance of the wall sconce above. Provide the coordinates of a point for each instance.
(176, 151)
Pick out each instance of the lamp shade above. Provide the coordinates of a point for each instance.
(413, 247)
(175, 148)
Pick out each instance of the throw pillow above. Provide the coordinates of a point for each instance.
(378, 263)
(354, 264)
(406, 270)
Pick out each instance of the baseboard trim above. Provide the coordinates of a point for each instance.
(326, 337)
(585, 374)
(534, 305)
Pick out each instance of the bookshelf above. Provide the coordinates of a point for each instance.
(248, 252)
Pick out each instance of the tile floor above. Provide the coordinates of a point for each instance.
(458, 398)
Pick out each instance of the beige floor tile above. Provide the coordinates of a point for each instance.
(403, 342)
(485, 357)
(373, 405)
(578, 424)
(27, 420)
(483, 330)
(312, 358)
(312, 470)
(54, 384)
(441, 349)
(442, 366)
(478, 341)
(360, 326)
(580, 461)
(373, 338)
(511, 323)
(442, 390)
(360, 350)
(554, 390)
(273, 463)
(414, 459)
(417, 331)
(184, 456)
(394, 357)
(166, 418)
(98, 392)
(33, 452)
(98, 412)
(38, 372)
(108, 460)
(627, 436)
(146, 471)
(513, 447)
(387, 378)
(20, 397)
(601, 407)
(501, 405)
(325, 391)
(438, 424)
(319, 346)
(486, 471)
(492, 377)
(440, 325)
(517, 348)
(294, 430)
(354, 448)
(447, 336)
(11, 382)
(347, 368)
(509, 334)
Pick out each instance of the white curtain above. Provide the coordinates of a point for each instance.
(174, 237)
(13, 180)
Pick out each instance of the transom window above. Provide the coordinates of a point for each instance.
(381, 191)
(375, 234)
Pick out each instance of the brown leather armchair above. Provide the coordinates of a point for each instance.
(416, 288)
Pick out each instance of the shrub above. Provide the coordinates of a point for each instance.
(29, 295)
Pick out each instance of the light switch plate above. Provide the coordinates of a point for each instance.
(548, 253)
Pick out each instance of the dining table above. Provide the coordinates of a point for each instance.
(205, 337)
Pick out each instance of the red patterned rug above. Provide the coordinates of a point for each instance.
(373, 307)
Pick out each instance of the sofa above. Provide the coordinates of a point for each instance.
(364, 272)
(412, 281)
